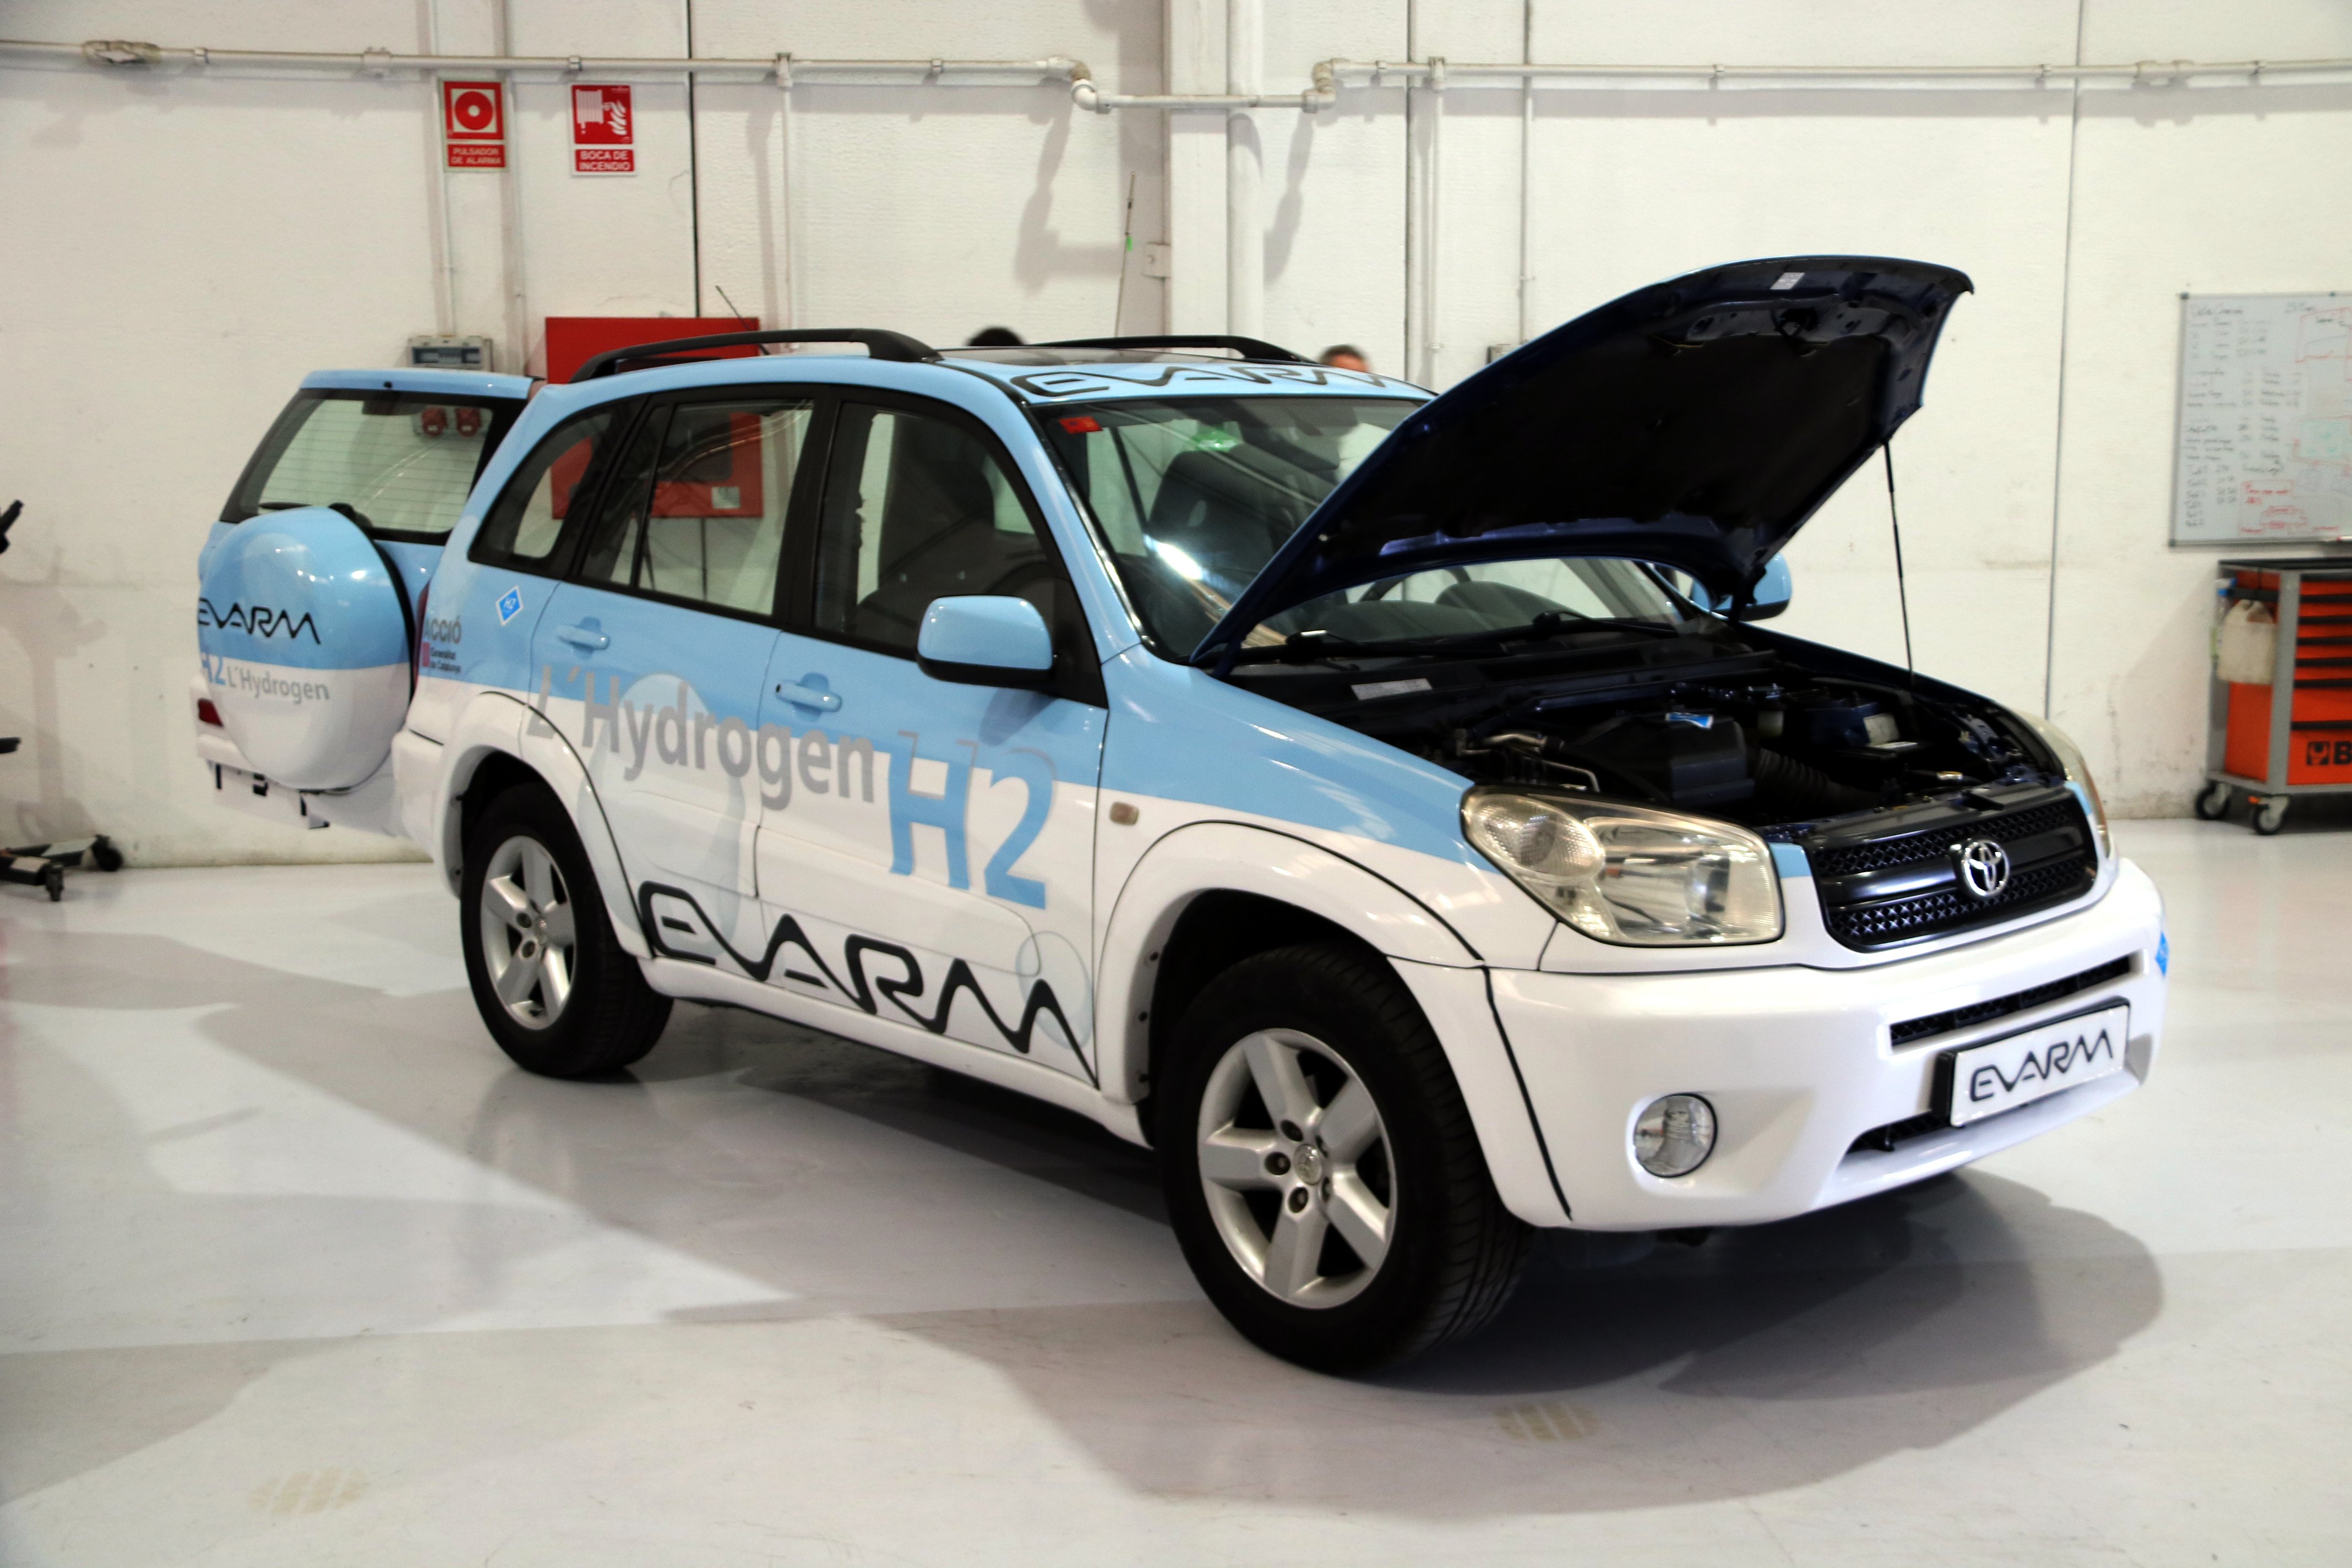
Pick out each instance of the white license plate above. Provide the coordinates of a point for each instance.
(2017, 1069)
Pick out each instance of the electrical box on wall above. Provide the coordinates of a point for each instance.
(432, 350)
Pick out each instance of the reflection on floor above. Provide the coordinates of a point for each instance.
(297, 1270)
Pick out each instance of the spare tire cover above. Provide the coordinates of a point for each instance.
(304, 633)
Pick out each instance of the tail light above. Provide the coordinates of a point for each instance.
(206, 713)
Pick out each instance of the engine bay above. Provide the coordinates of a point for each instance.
(1764, 754)
(1744, 733)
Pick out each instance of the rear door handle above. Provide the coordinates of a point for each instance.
(800, 694)
(583, 637)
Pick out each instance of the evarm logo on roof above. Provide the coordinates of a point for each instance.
(1098, 380)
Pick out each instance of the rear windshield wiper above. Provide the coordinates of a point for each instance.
(346, 507)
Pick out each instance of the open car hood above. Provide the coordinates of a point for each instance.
(1696, 422)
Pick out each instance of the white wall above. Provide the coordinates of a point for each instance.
(183, 245)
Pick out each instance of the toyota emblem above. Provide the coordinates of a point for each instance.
(1983, 868)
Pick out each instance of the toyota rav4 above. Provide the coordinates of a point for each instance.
(1389, 808)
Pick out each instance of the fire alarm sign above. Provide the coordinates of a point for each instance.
(603, 129)
(474, 124)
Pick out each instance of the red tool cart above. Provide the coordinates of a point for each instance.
(2286, 627)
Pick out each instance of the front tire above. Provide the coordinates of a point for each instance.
(551, 982)
(2213, 802)
(1321, 1170)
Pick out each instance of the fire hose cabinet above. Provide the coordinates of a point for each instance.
(2282, 702)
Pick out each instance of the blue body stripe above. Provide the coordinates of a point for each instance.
(1180, 734)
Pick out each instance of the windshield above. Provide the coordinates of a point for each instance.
(1193, 496)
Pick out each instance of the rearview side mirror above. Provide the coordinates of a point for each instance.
(985, 639)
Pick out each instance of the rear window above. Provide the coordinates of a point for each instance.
(398, 463)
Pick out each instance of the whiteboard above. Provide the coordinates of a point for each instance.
(2265, 449)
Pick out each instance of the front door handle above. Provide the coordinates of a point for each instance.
(802, 694)
(588, 637)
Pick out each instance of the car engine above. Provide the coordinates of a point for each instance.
(1769, 752)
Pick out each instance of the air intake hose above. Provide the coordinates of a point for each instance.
(1784, 783)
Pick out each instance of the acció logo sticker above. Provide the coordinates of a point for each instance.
(509, 605)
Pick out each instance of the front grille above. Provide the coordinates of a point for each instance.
(1883, 892)
(1976, 1013)
(1847, 859)
(1934, 914)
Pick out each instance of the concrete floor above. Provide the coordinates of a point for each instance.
(295, 1269)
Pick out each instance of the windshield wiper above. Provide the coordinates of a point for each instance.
(1315, 644)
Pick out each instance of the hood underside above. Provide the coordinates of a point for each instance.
(1696, 422)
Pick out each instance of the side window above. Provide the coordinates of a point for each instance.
(916, 508)
(696, 506)
(529, 520)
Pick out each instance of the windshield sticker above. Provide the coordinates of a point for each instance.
(1788, 280)
(1372, 688)
(509, 605)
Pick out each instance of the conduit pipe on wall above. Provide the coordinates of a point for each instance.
(1244, 169)
(783, 68)
(1327, 77)
(1091, 98)
(1463, 74)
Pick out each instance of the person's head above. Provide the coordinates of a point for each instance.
(1344, 356)
(995, 338)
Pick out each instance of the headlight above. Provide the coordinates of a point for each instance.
(1626, 873)
(2070, 757)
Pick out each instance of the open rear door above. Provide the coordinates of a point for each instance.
(310, 585)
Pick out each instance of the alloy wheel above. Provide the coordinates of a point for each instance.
(1298, 1169)
(527, 932)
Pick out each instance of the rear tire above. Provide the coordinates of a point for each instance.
(1321, 1170)
(553, 983)
(2213, 802)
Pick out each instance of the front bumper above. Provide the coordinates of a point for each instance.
(1798, 1064)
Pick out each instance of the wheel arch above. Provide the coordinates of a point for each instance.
(1210, 894)
(497, 743)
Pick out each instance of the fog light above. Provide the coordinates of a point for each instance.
(1675, 1135)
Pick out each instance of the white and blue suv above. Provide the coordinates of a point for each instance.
(1386, 806)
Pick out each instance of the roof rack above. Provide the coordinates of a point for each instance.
(879, 344)
(1248, 347)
